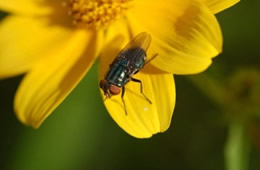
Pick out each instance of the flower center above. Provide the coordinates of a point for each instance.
(96, 13)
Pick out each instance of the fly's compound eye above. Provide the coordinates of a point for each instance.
(101, 83)
(114, 90)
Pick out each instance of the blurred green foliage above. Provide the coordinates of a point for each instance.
(81, 135)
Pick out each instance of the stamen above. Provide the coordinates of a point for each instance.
(96, 13)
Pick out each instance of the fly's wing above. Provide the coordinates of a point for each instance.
(142, 41)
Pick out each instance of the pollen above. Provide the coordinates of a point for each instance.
(93, 14)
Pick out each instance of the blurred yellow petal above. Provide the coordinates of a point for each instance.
(217, 6)
(184, 33)
(143, 119)
(52, 79)
(25, 6)
(26, 40)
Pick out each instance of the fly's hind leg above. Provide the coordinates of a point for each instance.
(153, 57)
(141, 89)
(122, 97)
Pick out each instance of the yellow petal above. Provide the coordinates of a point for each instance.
(143, 119)
(217, 6)
(26, 6)
(184, 33)
(51, 80)
(24, 41)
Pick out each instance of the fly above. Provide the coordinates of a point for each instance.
(127, 63)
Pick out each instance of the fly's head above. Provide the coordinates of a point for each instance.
(109, 89)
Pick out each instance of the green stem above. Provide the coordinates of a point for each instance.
(237, 149)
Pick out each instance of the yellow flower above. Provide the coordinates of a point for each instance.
(56, 42)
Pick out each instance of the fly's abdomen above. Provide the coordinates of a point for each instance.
(136, 59)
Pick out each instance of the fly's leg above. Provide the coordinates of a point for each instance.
(153, 57)
(122, 97)
(141, 88)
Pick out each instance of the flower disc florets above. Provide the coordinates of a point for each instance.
(96, 13)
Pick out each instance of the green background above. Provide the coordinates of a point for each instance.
(205, 127)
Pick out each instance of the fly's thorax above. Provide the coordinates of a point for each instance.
(93, 14)
(127, 63)
(117, 74)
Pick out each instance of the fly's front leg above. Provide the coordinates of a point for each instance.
(141, 89)
(122, 97)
